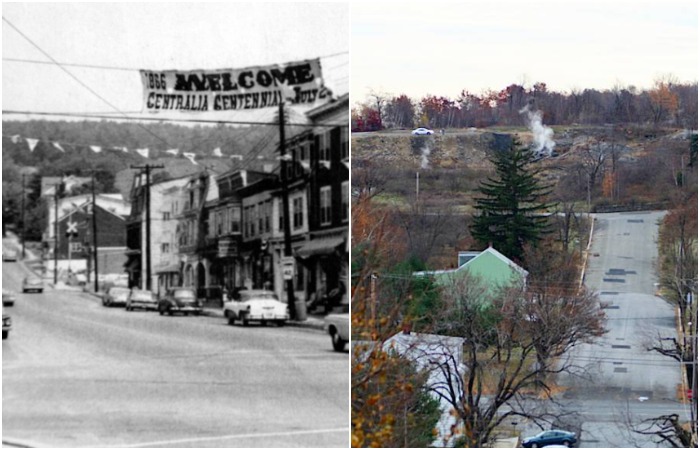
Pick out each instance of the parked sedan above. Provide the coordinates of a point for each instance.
(256, 304)
(32, 283)
(141, 299)
(8, 297)
(180, 299)
(338, 327)
(422, 131)
(551, 437)
(116, 295)
(6, 324)
(9, 255)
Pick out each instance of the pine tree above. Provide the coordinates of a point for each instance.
(511, 208)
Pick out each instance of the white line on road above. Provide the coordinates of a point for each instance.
(236, 436)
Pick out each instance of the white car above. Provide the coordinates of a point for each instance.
(258, 305)
(337, 325)
(141, 299)
(421, 131)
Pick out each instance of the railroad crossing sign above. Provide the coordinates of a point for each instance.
(71, 229)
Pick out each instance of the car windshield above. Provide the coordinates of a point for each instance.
(141, 295)
(184, 294)
(257, 296)
(33, 281)
(118, 291)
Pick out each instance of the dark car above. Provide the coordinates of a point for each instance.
(182, 300)
(6, 325)
(116, 295)
(551, 437)
(33, 283)
(8, 297)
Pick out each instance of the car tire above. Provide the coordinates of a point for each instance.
(161, 310)
(263, 323)
(281, 323)
(231, 318)
(338, 343)
(568, 444)
(5, 334)
(244, 319)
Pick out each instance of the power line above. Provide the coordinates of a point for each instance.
(155, 119)
(92, 91)
(124, 69)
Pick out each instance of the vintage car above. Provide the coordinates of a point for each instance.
(116, 295)
(9, 255)
(180, 299)
(258, 305)
(6, 324)
(8, 297)
(337, 325)
(32, 283)
(141, 299)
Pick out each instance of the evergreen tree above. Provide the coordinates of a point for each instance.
(511, 207)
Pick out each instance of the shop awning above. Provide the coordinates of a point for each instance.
(169, 269)
(320, 246)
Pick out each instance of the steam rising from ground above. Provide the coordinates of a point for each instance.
(543, 144)
(424, 155)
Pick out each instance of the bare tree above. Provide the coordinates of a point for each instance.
(510, 338)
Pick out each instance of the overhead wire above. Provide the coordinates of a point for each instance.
(78, 80)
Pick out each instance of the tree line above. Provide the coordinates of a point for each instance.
(667, 103)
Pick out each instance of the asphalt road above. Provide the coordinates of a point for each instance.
(622, 382)
(77, 374)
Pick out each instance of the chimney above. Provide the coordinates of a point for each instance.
(407, 328)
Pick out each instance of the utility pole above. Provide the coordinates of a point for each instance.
(55, 232)
(23, 195)
(285, 208)
(147, 168)
(94, 232)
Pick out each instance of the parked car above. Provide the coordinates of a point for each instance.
(256, 304)
(551, 437)
(116, 295)
(8, 297)
(180, 299)
(6, 324)
(422, 131)
(141, 299)
(32, 283)
(9, 255)
(337, 325)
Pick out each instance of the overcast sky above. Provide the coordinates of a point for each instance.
(441, 48)
(182, 36)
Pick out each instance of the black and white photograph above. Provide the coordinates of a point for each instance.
(175, 193)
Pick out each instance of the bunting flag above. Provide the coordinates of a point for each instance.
(217, 152)
(191, 157)
(32, 143)
(326, 164)
(240, 157)
(58, 146)
(143, 152)
(96, 148)
(15, 139)
(121, 149)
(173, 151)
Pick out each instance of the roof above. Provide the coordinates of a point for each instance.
(473, 261)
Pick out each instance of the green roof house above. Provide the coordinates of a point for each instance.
(493, 268)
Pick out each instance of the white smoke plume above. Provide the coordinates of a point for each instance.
(542, 142)
(424, 154)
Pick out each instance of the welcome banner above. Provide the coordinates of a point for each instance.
(298, 83)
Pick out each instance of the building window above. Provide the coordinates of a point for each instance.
(268, 214)
(261, 217)
(325, 205)
(324, 147)
(235, 219)
(165, 247)
(219, 223)
(344, 144)
(166, 215)
(298, 206)
(344, 201)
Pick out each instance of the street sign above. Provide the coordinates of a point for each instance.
(72, 229)
(287, 268)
